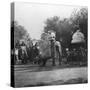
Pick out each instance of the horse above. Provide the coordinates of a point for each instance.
(15, 54)
(23, 54)
(35, 52)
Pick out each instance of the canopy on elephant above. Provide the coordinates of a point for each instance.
(78, 37)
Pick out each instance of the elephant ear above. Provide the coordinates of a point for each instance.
(57, 43)
(45, 48)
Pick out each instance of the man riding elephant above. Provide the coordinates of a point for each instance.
(55, 47)
(49, 48)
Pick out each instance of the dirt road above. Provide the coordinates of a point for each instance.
(27, 77)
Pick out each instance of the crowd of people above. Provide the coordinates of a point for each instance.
(23, 54)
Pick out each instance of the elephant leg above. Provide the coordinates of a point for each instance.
(53, 56)
(60, 58)
(53, 61)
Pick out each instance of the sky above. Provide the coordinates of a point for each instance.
(33, 16)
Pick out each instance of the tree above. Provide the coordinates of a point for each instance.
(19, 32)
(66, 27)
(61, 27)
(51, 24)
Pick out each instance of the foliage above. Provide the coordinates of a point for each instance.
(20, 33)
(45, 48)
(64, 28)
